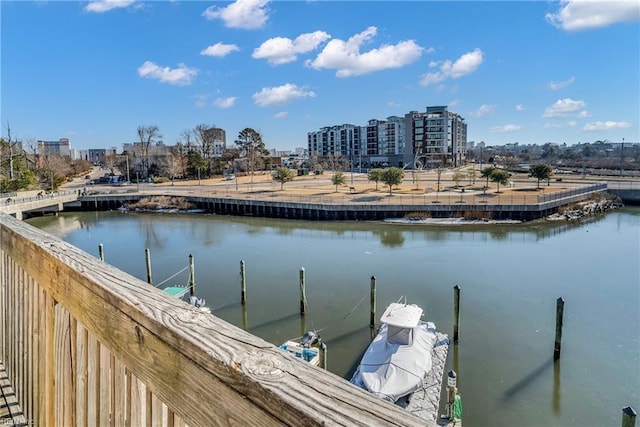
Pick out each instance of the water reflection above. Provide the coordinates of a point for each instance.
(390, 238)
(391, 235)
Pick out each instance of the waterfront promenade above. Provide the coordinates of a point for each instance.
(423, 188)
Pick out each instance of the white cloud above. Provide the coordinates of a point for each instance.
(483, 110)
(519, 107)
(506, 128)
(107, 5)
(559, 85)
(454, 103)
(583, 114)
(281, 95)
(608, 125)
(585, 14)
(556, 125)
(245, 14)
(225, 102)
(466, 64)
(219, 50)
(181, 76)
(281, 115)
(201, 100)
(281, 50)
(563, 108)
(393, 104)
(346, 58)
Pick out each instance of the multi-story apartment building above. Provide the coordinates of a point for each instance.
(61, 147)
(342, 140)
(438, 136)
(95, 155)
(432, 138)
(218, 141)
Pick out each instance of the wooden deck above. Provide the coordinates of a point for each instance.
(10, 412)
(425, 402)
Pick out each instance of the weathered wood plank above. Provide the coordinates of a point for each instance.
(35, 357)
(105, 384)
(120, 394)
(20, 382)
(40, 379)
(157, 412)
(93, 381)
(208, 371)
(62, 368)
(137, 407)
(81, 375)
(29, 350)
(48, 391)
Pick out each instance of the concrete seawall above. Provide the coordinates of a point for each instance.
(330, 211)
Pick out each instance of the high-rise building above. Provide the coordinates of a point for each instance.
(438, 137)
(218, 140)
(340, 140)
(61, 147)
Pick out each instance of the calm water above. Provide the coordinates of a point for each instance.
(510, 277)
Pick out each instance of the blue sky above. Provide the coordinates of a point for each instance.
(527, 72)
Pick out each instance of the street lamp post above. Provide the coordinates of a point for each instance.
(622, 157)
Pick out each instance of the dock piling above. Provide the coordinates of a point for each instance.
(372, 316)
(628, 417)
(456, 311)
(192, 277)
(243, 284)
(323, 356)
(101, 251)
(452, 391)
(303, 297)
(558, 340)
(147, 257)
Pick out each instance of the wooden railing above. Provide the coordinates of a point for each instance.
(86, 344)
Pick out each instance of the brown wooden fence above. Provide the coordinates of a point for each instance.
(86, 344)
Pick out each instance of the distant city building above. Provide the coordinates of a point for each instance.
(61, 147)
(96, 155)
(219, 141)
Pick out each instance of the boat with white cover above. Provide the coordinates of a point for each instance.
(399, 359)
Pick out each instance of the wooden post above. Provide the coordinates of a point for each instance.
(244, 317)
(192, 277)
(323, 356)
(147, 257)
(372, 316)
(456, 313)
(303, 297)
(628, 417)
(558, 341)
(101, 251)
(243, 284)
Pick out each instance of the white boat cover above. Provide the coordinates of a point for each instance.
(391, 370)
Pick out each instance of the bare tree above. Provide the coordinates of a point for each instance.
(180, 155)
(147, 135)
(172, 166)
(336, 162)
(11, 147)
